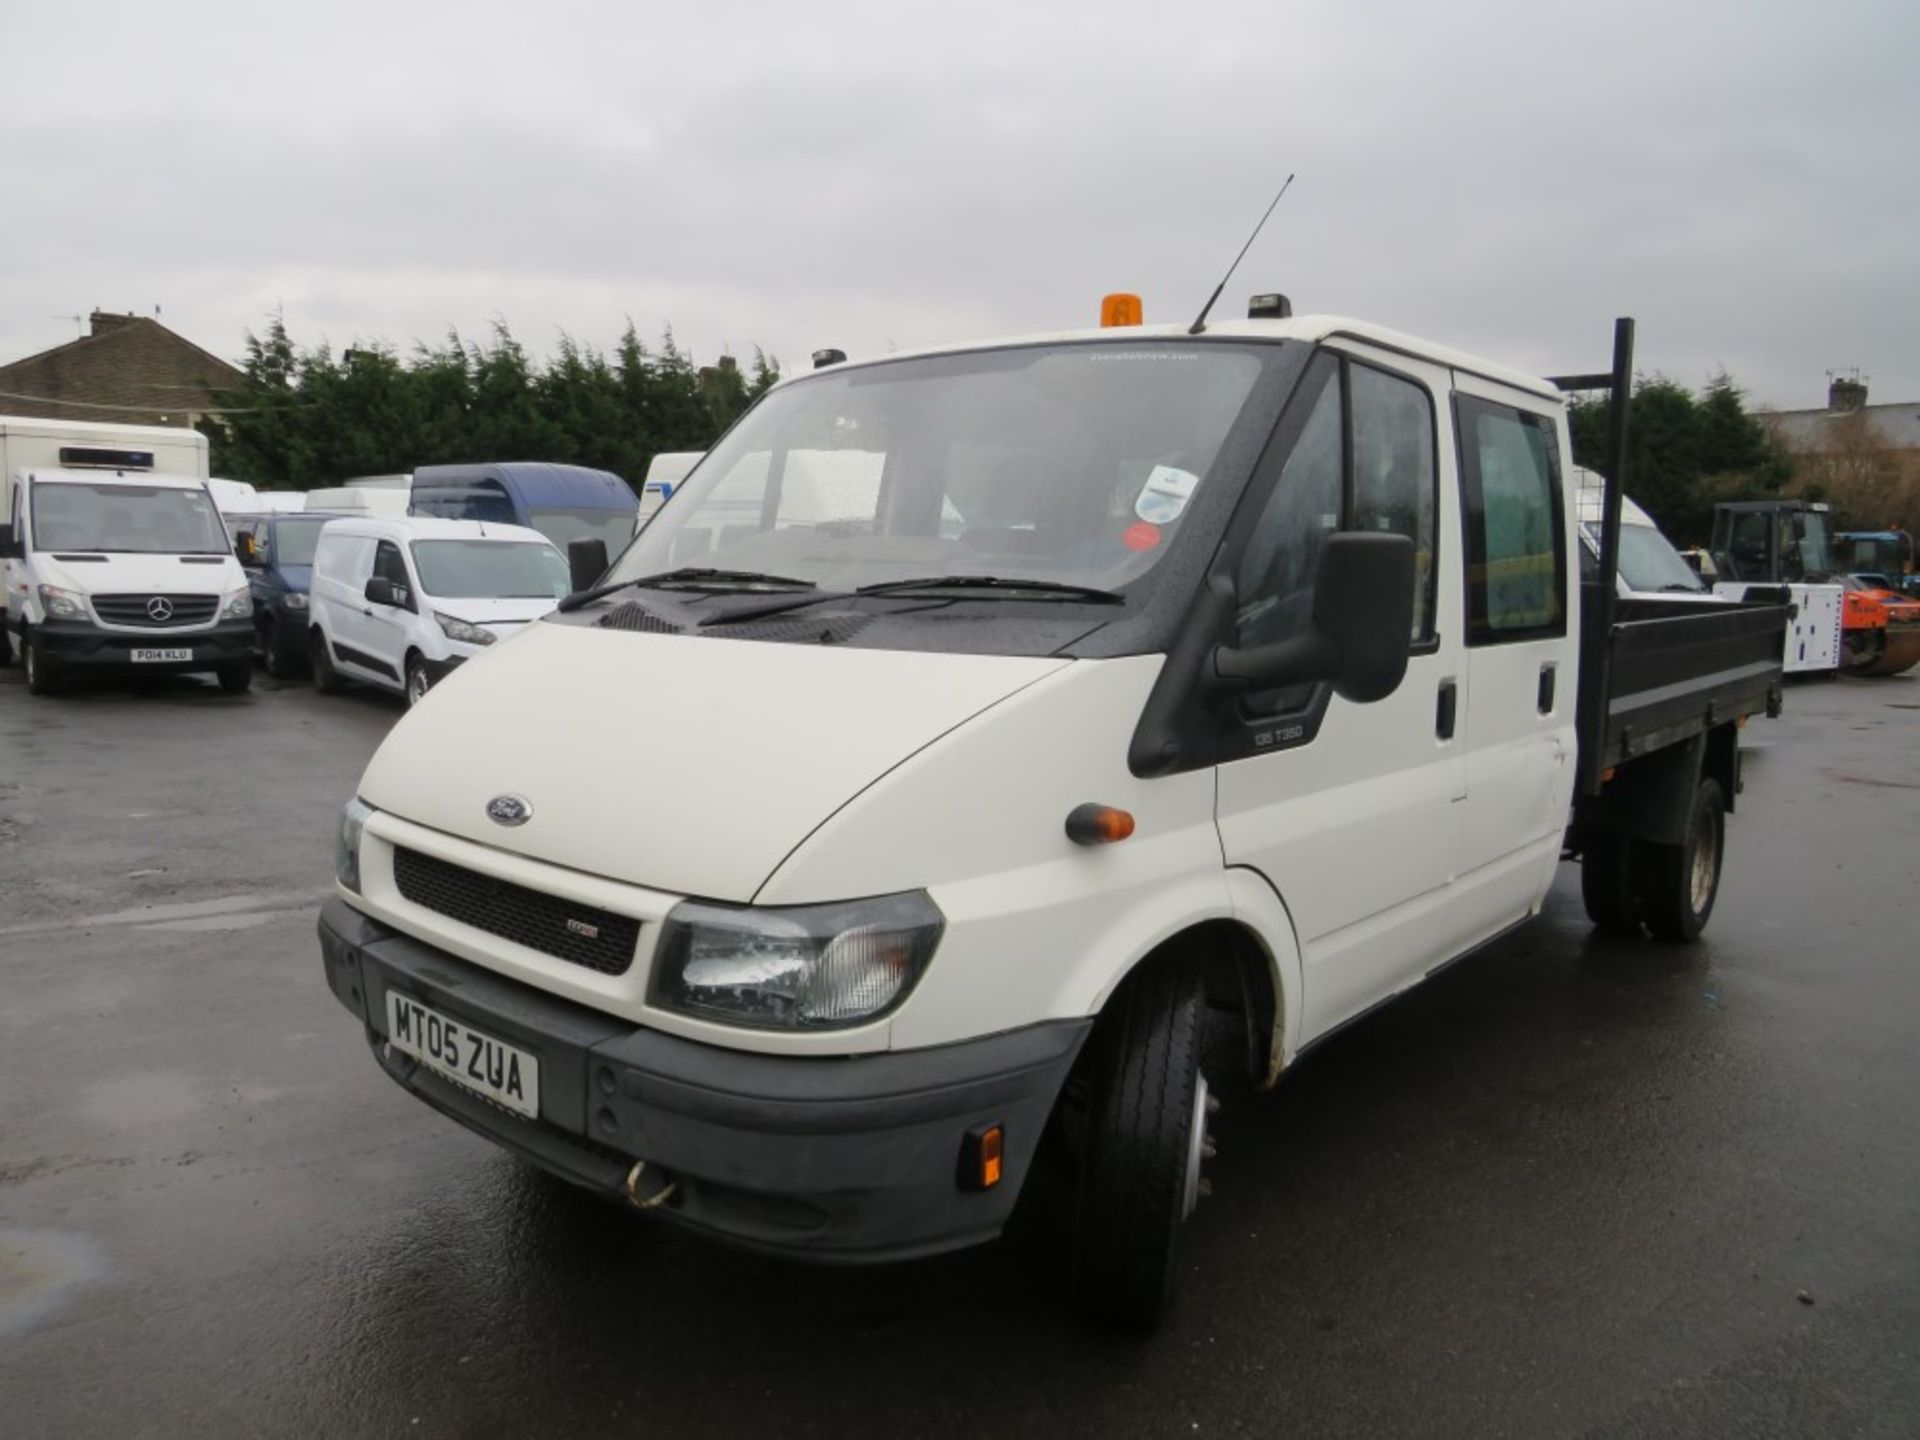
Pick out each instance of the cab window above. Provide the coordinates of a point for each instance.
(390, 564)
(1516, 544)
(1364, 460)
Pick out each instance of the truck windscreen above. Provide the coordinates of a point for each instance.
(1072, 464)
(130, 519)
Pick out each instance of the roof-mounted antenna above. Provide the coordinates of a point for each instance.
(1201, 322)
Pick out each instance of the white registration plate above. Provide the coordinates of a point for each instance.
(503, 1073)
(161, 657)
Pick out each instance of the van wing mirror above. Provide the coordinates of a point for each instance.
(380, 591)
(1362, 625)
(586, 563)
(6, 542)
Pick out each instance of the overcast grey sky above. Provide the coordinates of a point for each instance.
(1506, 177)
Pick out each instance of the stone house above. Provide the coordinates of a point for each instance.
(128, 369)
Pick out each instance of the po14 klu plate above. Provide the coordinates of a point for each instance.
(160, 657)
(503, 1073)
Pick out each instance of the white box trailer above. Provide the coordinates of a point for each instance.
(91, 445)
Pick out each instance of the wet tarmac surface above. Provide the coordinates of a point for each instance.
(1572, 1187)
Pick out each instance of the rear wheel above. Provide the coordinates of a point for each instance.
(43, 673)
(1146, 1141)
(1679, 883)
(326, 679)
(418, 681)
(1606, 884)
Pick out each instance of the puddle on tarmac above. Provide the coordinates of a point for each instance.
(39, 1272)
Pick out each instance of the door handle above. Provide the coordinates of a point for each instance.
(1544, 697)
(1445, 710)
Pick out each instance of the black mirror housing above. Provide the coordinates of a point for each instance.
(380, 591)
(6, 541)
(586, 563)
(1361, 635)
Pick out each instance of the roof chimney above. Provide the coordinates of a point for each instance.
(101, 321)
(1846, 392)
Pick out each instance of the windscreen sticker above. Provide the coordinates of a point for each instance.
(1141, 536)
(1165, 495)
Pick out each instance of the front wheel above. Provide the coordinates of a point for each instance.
(1679, 883)
(235, 679)
(6, 642)
(282, 663)
(1146, 1140)
(418, 681)
(43, 674)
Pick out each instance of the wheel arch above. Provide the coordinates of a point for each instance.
(1249, 962)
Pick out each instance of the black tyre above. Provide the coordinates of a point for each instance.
(418, 681)
(1146, 1139)
(1678, 883)
(1607, 884)
(282, 662)
(6, 642)
(326, 679)
(235, 679)
(43, 673)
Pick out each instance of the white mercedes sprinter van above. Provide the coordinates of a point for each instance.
(120, 571)
(970, 726)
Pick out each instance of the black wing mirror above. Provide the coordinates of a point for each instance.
(380, 591)
(586, 563)
(1362, 625)
(6, 542)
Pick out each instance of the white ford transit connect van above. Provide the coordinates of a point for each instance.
(400, 603)
(1021, 705)
(108, 571)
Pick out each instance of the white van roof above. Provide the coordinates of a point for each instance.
(1309, 328)
(403, 529)
(97, 430)
(1593, 490)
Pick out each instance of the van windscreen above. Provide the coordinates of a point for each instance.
(125, 519)
(490, 569)
(1073, 464)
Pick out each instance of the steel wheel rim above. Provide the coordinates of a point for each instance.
(32, 662)
(1196, 1147)
(1706, 854)
(417, 686)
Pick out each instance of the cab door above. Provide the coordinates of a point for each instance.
(1350, 811)
(1521, 653)
(387, 627)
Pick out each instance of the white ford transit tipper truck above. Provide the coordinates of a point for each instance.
(1146, 672)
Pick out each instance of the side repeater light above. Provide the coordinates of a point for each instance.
(1098, 825)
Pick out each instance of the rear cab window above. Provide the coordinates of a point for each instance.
(1516, 537)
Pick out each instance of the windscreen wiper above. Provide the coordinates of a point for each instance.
(1060, 589)
(688, 577)
(1046, 589)
(1043, 588)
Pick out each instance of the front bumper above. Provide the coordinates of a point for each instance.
(842, 1159)
(81, 645)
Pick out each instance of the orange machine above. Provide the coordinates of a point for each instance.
(1879, 629)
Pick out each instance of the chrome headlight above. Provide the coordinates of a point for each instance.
(806, 967)
(238, 606)
(346, 848)
(294, 600)
(465, 631)
(63, 604)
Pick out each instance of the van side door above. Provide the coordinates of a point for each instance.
(1522, 649)
(1349, 810)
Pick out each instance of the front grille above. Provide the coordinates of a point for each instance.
(538, 921)
(177, 610)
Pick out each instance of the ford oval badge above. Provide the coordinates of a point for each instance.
(509, 810)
